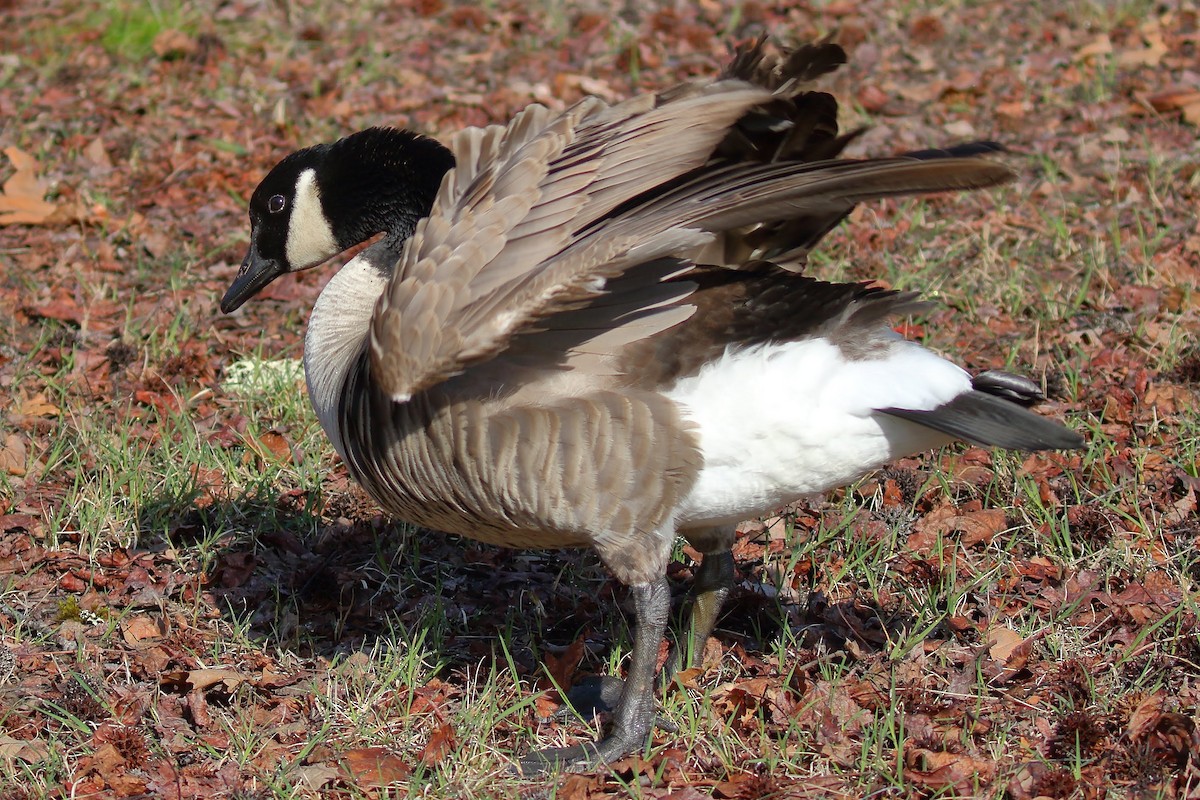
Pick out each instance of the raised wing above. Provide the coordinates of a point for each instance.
(539, 215)
(487, 259)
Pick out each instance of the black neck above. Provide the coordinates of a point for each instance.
(386, 180)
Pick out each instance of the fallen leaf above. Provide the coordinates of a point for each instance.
(272, 446)
(12, 455)
(314, 776)
(1002, 642)
(21, 522)
(201, 679)
(1186, 101)
(1009, 654)
(96, 153)
(1100, 46)
(690, 793)
(937, 770)
(62, 308)
(197, 704)
(579, 787)
(562, 668)
(374, 767)
(975, 527)
(1027, 781)
(28, 750)
(441, 742)
(741, 786)
(172, 44)
(112, 767)
(37, 406)
(22, 200)
(1181, 509)
(1149, 56)
(1145, 717)
(980, 526)
(234, 569)
(140, 628)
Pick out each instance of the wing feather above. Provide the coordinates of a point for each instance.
(538, 216)
(498, 222)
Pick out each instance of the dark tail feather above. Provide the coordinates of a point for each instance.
(986, 419)
(958, 151)
(1016, 388)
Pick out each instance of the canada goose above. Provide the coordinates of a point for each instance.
(557, 341)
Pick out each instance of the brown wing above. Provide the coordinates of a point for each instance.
(485, 262)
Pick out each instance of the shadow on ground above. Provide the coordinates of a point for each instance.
(334, 584)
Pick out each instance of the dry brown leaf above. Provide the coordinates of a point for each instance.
(976, 526)
(27, 523)
(201, 678)
(172, 44)
(96, 153)
(1183, 100)
(22, 201)
(1181, 509)
(1149, 56)
(1009, 654)
(980, 526)
(12, 455)
(272, 446)
(137, 629)
(314, 776)
(28, 750)
(441, 742)
(197, 705)
(1002, 643)
(941, 770)
(1174, 99)
(690, 793)
(63, 308)
(270, 679)
(562, 668)
(374, 767)
(38, 406)
(1100, 46)
(815, 787)
(1025, 783)
(1145, 717)
(741, 786)
(580, 787)
(234, 569)
(108, 762)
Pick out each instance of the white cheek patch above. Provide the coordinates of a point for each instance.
(310, 238)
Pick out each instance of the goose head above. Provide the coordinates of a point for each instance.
(324, 199)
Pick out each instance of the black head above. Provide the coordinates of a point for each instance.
(324, 199)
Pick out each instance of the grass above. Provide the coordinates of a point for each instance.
(129, 28)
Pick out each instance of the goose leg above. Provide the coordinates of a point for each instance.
(634, 716)
(714, 579)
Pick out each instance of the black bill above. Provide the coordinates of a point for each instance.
(256, 272)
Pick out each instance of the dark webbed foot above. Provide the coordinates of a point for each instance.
(601, 694)
(590, 697)
(584, 757)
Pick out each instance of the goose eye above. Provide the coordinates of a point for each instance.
(276, 204)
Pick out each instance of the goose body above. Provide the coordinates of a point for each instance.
(588, 328)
